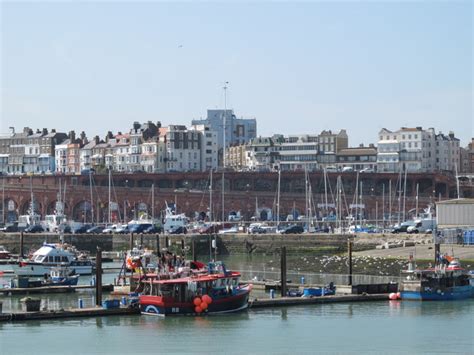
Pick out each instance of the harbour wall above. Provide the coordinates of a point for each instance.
(226, 244)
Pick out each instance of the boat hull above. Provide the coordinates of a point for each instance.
(35, 269)
(452, 293)
(154, 305)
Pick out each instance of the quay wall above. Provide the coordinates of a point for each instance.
(226, 244)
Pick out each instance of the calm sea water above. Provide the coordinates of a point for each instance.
(376, 327)
(380, 327)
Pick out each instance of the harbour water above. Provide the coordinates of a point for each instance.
(380, 327)
(375, 327)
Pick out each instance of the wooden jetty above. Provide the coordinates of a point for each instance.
(300, 301)
(68, 313)
(51, 289)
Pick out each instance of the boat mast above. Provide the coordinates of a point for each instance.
(390, 202)
(278, 198)
(92, 201)
(416, 200)
(152, 202)
(325, 192)
(399, 196)
(404, 194)
(360, 200)
(109, 210)
(223, 149)
(306, 211)
(210, 198)
(383, 206)
(3, 199)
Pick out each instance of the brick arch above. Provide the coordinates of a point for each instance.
(25, 206)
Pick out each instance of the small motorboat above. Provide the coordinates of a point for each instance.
(320, 291)
(4, 253)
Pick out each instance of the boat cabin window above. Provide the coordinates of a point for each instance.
(57, 259)
(64, 259)
(39, 258)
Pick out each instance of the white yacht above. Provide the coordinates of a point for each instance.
(173, 220)
(50, 256)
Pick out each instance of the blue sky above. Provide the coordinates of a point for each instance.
(296, 67)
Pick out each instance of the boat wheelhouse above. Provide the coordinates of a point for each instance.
(4, 253)
(213, 292)
(451, 282)
(53, 255)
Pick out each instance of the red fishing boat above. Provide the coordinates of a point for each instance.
(215, 291)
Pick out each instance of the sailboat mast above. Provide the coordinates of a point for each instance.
(92, 201)
(325, 192)
(223, 187)
(416, 200)
(278, 198)
(404, 194)
(153, 202)
(390, 202)
(383, 206)
(109, 210)
(210, 198)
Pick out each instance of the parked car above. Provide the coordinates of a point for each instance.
(10, 228)
(122, 229)
(35, 228)
(109, 229)
(95, 230)
(152, 229)
(178, 230)
(367, 170)
(80, 229)
(139, 227)
(296, 229)
(231, 230)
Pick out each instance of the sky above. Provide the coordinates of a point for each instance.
(297, 67)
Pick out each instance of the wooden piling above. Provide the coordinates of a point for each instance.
(437, 253)
(194, 248)
(141, 240)
(183, 253)
(283, 272)
(158, 243)
(98, 278)
(21, 246)
(349, 257)
(167, 244)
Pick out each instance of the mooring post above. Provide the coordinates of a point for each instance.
(183, 253)
(21, 245)
(98, 277)
(158, 243)
(131, 241)
(437, 254)
(194, 249)
(166, 242)
(349, 257)
(283, 271)
(141, 240)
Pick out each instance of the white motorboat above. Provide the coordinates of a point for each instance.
(50, 256)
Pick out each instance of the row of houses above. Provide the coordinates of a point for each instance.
(149, 147)
(407, 149)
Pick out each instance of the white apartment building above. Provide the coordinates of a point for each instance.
(416, 150)
(121, 152)
(299, 153)
(209, 147)
(183, 149)
(261, 154)
(60, 154)
(153, 157)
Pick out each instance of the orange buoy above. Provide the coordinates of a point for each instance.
(399, 295)
(197, 301)
(198, 309)
(207, 299)
(392, 296)
(203, 306)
